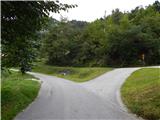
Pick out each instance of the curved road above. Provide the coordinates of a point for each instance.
(98, 99)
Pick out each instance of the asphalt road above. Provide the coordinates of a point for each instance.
(98, 99)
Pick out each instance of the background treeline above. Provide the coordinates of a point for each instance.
(120, 39)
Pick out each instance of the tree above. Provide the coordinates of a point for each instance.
(62, 43)
(116, 16)
(20, 23)
(93, 44)
(120, 39)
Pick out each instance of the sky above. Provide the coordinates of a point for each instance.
(90, 10)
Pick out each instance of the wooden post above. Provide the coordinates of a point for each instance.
(143, 58)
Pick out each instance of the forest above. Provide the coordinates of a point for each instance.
(120, 39)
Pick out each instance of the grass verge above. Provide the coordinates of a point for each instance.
(141, 93)
(17, 92)
(77, 74)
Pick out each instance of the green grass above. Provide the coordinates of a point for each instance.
(17, 92)
(141, 93)
(77, 74)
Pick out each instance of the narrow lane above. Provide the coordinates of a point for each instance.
(97, 99)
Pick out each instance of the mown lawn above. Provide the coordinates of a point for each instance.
(141, 93)
(17, 92)
(77, 74)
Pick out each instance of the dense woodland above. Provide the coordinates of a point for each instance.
(120, 39)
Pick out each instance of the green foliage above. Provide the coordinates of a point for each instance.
(20, 22)
(120, 39)
(94, 37)
(62, 43)
(141, 93)
(77, 74)
(17, 92)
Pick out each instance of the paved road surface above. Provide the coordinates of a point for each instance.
(98, 99)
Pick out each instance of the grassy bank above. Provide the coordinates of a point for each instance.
(17, 92)
(141, 93)
(77, 74)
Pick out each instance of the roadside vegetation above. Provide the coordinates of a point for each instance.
(141, 93)
(121, 39)
(77, 74)
(17, 92)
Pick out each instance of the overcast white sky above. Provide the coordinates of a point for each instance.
(90, 10)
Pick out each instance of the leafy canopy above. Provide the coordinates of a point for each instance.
(21, 20)
(120, 39)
